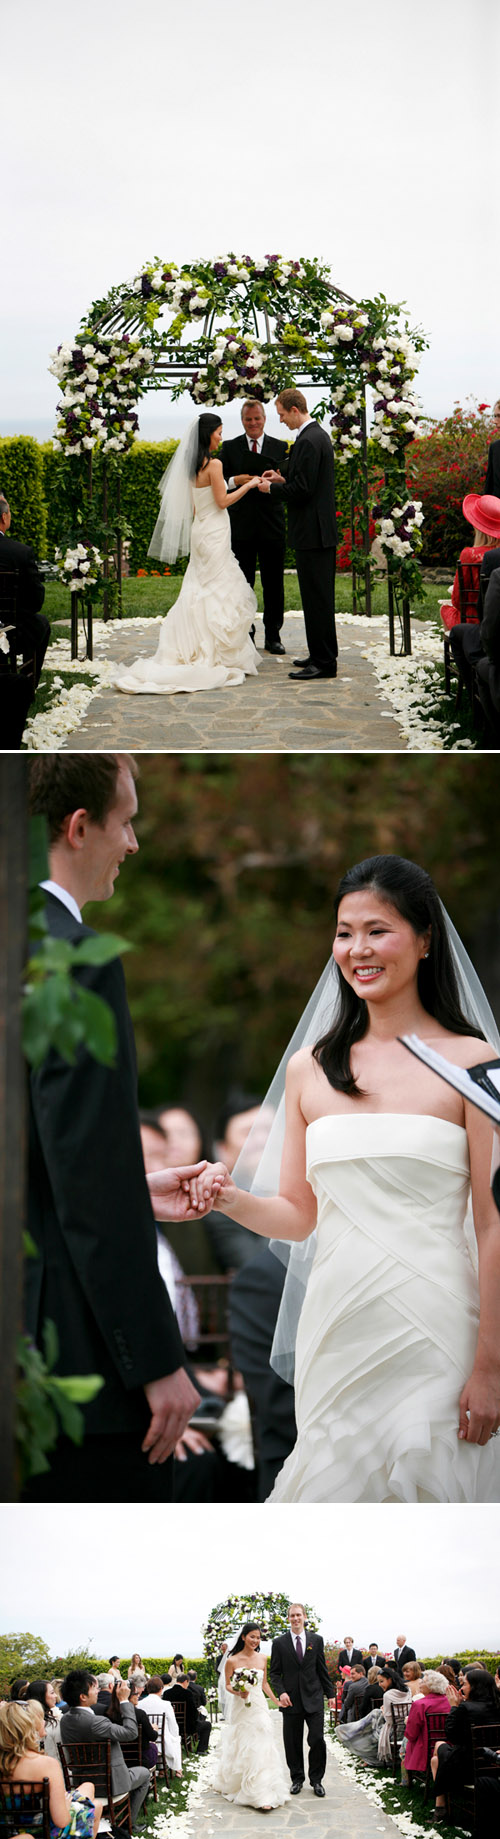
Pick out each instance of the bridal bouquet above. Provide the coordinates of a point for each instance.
(243, 1677)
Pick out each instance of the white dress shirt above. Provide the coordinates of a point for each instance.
(304, 424)
(171, 1733)
(52, 887)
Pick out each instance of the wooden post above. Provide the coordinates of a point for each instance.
(13, 933)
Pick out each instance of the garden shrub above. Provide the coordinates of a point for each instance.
(441, 467)
(21, 479)
(143, 467)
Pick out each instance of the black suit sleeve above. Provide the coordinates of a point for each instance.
(88, 1125)
(490, 624)
(33, 588)
(275, 1674)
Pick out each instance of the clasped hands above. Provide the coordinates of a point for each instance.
(268, 479)
(188, 1193)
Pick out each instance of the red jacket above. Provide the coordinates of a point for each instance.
(451, 615)
(416, 1728)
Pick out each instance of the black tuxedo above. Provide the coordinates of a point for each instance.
(355, 1660)
(307, 1682)
(255, 1298)
(405, 1654)
(33, 629)
(258, 524)
(96, 1273)
(369, 1662)
(309, 493)
(492, 480)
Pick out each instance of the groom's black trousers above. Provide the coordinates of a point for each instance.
(104, 1468)
(316, 573)
(293, 1738)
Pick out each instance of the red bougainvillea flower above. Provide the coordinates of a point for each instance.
(142, 571)
(484, 405)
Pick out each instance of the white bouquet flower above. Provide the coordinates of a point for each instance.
(243, 1678)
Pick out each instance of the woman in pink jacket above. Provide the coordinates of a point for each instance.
(434, 1688)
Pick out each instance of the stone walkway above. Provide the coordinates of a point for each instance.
(268, 714)
(345, 1810)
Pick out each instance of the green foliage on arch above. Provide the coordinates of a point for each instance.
(271, 1613)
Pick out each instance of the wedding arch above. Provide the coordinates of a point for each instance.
(239, 326)
(271, 1613)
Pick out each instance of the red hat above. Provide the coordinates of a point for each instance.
(483, 513)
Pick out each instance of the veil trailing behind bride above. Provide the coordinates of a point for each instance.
(204, 640)
(393, 1297)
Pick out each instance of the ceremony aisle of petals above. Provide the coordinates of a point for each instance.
(372, 1784)
(413, 687)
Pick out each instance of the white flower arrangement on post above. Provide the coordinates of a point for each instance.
(82, 570)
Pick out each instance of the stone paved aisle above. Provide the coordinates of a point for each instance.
(345, 1810)
(268, 713)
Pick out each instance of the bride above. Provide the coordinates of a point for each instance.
(250, 1768)
(204, 640)
(398, 1347)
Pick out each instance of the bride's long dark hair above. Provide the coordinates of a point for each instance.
(206, 427)
(410, 889)
(241, 1638)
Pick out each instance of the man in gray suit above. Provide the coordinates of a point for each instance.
(81, 1724)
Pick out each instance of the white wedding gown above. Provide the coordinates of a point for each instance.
(204, 642)
(388, 1327)
(250, 1767)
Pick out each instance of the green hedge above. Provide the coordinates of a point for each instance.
(21, 479)
(142, 471)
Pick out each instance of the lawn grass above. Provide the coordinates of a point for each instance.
(149, 595)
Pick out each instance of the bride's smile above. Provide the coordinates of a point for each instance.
(375, 948)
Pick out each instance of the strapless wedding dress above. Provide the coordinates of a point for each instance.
(388, 1328)
(204, 642)
(250, 1766)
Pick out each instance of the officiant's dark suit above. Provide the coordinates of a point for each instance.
(309, 494)
(307, 1684)
(33, 628)
(95, 1274)
(258, 532)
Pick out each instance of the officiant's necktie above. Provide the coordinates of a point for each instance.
(298, 1648)
(254, 447)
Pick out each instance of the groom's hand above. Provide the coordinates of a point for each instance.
(274, 477)
(171, 1194)
(172, 1401)
(284, 1701)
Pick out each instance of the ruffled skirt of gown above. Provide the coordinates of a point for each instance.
(388, 1329)
(204, 640)
(250, 1767)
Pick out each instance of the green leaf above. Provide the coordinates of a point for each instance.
(99, 1027)
(29, 1248)
(101, 949)
(80, 1387)
(70, 1417)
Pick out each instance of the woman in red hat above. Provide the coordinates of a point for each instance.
(484, 515)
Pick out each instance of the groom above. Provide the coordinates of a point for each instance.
(298, 1676)
(95, 1273)
(309, 492)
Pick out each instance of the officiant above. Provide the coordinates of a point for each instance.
(258, 521)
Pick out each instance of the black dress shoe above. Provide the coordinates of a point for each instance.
(317, 1788)
(299, 662)
(276, 647)
(296, 1787)
(310, 671)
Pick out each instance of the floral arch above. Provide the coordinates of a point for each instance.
(271, 1613)
(237, 327)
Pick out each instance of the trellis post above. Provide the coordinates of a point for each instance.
(13, 923)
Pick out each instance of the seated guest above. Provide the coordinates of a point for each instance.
(151, 1701)
(105, 1682)
(395, 1692)
(22, 1729)
(180, 1697)
(373, 1694)
(465, 637)
(351, 1703)
(487, 668)
(412, 1673)
(81, 1724)
(149, 1734)
(453, 1692)
(452, 1762)
(232, 1244)
(18, 1689)
(434, 1698)
(43, 1692)
(33, 628)
(198, 1691)
(484, 514)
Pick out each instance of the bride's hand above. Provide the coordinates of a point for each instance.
(480, 1407)
(210, 1186)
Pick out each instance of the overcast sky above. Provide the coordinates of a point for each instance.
(360, 134)
(145, 1578)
